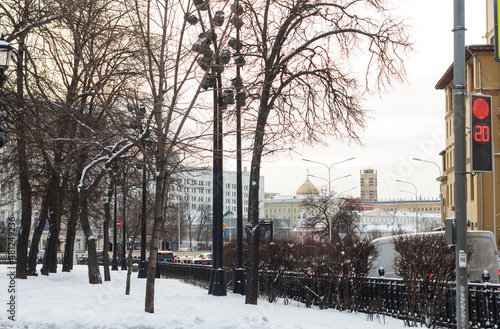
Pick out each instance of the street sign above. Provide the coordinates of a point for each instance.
(224, 233)
(316, 237)
(118, 223)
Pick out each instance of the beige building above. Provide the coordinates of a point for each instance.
(482, 76)
(424, 206)
(290, 206)
(368, 185)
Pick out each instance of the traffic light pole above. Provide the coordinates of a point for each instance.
(460, 166)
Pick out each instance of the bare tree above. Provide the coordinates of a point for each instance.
(298, 57)
(320, 209)
(342, 214)
(21, 18)
(168, 65)
(346, 219)
(204, 228)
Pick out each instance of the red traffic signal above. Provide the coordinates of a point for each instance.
(481, 134)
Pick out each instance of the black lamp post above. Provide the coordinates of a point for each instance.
(5, 53)
(239, 277)
(213, 61)
(142, 265)
(124, 258)
(114, 262)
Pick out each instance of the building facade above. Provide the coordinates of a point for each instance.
(194, 187)
(424, 206)
(368, 185)
(289, 206)
(482, 76)
(378, 223)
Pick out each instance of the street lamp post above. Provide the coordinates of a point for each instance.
(124, 258)
(329, 191)
(212, 61)
(5, 53)
(416, 200)
(239, 275)
(114, 261)
(142, 265)
(440, 185)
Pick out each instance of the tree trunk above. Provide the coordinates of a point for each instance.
(22, 163)
(153, 249)
(35, 240)
(129, 258)
(105, 228)
(253, 229)
(50, 247)
(153, 256)
(69, 249)
(93, 266)
(50, 257)
(73, 216)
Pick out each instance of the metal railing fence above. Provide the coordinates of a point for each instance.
(380, 296)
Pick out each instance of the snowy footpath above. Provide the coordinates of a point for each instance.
(67, 300)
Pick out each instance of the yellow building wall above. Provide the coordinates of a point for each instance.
(482, 76)
(423, 207)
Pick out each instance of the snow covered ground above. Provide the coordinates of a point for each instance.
(67, 300)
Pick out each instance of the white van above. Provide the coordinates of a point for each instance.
(485, 256)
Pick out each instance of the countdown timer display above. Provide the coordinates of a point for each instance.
(481, 144)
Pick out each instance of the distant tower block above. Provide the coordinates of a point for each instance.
(368, 185)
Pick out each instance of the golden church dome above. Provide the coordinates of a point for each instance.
(307, 188)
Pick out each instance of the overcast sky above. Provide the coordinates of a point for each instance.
(408, 121)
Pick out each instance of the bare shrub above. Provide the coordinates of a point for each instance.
(426, 264)
(330, 274)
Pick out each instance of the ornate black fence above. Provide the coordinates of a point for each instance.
(369, 295)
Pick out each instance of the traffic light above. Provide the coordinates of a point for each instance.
(481, 134)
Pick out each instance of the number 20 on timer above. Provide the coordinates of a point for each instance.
(481, 145)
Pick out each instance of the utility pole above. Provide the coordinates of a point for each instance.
(460, 166)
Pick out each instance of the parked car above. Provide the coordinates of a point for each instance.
(166, 256)
(186, 260)
(204, 259)
(85, 257)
